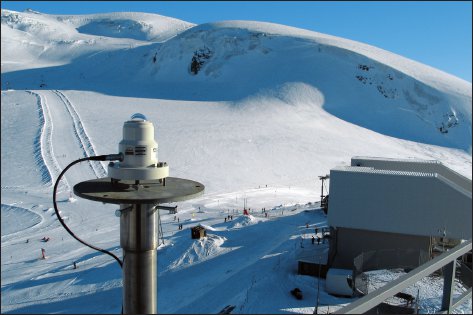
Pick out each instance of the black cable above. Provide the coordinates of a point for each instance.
(109, 157)
(92, 158)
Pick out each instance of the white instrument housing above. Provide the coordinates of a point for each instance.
(140, 153)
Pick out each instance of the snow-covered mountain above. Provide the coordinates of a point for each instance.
(253, 110)
(232, 60)
(31, 39)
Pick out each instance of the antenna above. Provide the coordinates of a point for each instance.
(138, 183)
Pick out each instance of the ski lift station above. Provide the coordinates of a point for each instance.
(393, 213)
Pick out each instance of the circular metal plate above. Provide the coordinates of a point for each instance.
(146, 192)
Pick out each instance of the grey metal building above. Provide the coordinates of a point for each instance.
(396, 204)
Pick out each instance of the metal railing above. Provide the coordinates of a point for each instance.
(445, 261)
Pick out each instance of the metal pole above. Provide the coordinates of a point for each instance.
(316, 310)
(448, 286)
(322, 193)
(139, 243)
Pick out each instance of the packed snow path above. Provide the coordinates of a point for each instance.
(44, 156)
(63, 128)
(81, 135)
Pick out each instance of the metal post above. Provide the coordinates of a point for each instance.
(322, 193)
(322, 178)
(448, 281)
(141, 180)
(316, 310)
(139, 242)
(138, 234)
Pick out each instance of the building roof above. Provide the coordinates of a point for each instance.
(371, 170)
(400, 196)
(394, 160)
(413, 165)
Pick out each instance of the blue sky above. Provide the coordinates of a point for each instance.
(436, 33)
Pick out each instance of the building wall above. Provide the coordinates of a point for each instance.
(352, 242)
(413, 203)
(413, 165)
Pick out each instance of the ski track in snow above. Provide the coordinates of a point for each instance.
(25, 212)
(42, 143)
(81, 135)
(37, 143)
(47, 219)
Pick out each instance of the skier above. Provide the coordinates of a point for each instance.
(313, 240)
(75, 265)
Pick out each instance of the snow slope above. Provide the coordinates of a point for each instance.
(358, 83)
(31, 39)
(267, 110)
